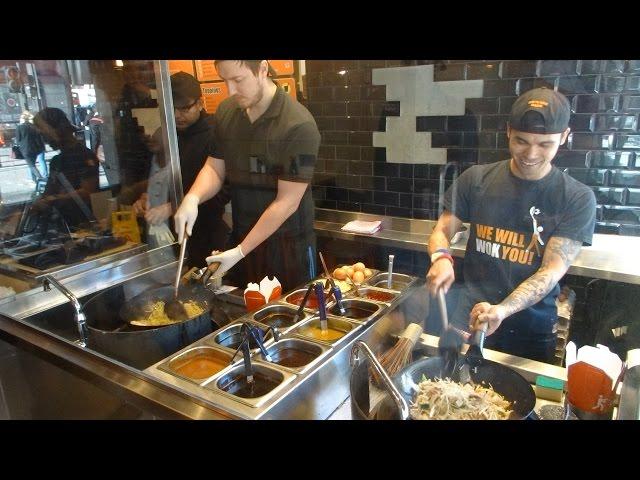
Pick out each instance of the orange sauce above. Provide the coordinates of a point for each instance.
(201, 366)
(315, 331)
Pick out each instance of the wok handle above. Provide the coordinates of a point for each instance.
(478, 335)
(397, 397)
(442, 303)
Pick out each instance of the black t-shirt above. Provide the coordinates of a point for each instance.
(282, 144)
(195, 144)
(504, 212)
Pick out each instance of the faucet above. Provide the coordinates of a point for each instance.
(441, 189)
(396, 396)
(81, 319)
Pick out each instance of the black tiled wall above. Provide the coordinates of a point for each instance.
(603, 150)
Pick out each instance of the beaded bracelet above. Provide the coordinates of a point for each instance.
(438, 255)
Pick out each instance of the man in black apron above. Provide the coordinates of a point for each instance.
(528, 222)
(270, 144)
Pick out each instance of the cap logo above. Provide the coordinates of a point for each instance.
(538, 103)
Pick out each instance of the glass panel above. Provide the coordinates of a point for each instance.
(84, 173)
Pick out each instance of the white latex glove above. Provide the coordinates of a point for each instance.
(186, 215)
(226, 261)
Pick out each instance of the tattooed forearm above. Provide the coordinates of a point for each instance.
(563, 248)
(529, 292)
(558, 256)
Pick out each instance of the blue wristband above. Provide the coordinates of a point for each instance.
(443, 250)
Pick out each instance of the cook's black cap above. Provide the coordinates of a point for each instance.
(540, 110)
(185, 89)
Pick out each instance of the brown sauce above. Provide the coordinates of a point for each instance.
(277, 320)
(293, 357)
(239, 386)
(315, 331)
(201, 366)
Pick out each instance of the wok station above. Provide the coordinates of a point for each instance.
(67, 335)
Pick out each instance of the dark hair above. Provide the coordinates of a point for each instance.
(253, 65)
(56, 120)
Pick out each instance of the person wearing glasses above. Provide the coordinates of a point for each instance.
(196, 144)
(270, 144)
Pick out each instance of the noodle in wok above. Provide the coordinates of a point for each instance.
(448, 400)
(157, 317)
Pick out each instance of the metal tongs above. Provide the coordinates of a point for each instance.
(455, 366)
(450, 345)
(337, 294)
(303, 303)
(450, 342)
(248, 332)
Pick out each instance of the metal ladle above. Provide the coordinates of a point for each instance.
(174, 309)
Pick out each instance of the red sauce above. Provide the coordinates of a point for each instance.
(312, 302)
(379, 296)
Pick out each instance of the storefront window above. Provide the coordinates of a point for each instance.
(82, 160)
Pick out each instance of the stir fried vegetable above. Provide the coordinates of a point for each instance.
(448, 400)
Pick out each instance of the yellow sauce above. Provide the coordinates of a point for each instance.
(201, 366)
(315, 331)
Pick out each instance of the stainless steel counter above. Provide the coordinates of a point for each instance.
(610, 257)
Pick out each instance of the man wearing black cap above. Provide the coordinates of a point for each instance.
(528, 221)
(270, 145)
(196, 143)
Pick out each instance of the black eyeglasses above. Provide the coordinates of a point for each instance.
(185, 109)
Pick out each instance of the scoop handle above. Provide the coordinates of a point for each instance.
(183, 248)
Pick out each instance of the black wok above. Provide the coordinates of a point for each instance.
(504, 380)
(109, 332)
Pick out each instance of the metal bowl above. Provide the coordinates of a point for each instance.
(230, 337)
(399, 281)
(295, 354)
(338, 330)
(278, 316)
(198, 364)
(268, 382)
(357, 309)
